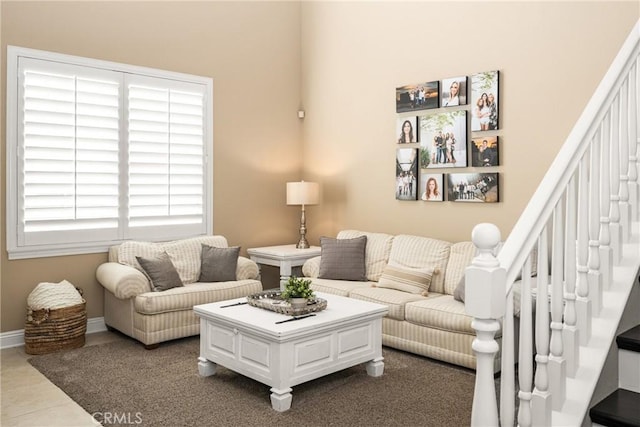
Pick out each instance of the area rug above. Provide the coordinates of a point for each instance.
(161, 387)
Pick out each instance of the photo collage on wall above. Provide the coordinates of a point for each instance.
(439, 139)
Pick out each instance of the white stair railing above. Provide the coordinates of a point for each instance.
(581, 229)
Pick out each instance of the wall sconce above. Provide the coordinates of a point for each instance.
(303, 193)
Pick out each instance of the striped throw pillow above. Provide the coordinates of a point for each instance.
(406, 279)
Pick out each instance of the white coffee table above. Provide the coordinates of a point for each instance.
(247, 340)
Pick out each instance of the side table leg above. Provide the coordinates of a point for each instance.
(206, 368)
(375, 367)
(281, 399)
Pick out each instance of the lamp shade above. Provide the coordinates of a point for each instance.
(303, 193)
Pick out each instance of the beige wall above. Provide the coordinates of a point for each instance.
(551, 56)
(343, 60)
(251, 50)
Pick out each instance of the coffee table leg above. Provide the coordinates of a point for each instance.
(206, 367)
(281, 399)
(375, 367)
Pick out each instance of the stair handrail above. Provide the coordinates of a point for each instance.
(538, 211)
(491, 277)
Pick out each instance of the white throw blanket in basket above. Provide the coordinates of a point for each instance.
(53, 296)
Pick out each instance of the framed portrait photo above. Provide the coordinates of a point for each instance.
(484, 101)
(407, 130)
(432, 187)
(473, 187)
(443, 141)
(453, 92)
(407, 174)
(418, 96)
(484, 151)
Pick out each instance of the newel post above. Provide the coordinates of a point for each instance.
(485, 295)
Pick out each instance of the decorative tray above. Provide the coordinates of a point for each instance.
(272, 300)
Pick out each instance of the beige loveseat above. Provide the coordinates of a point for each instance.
(434, 325)
(133, 308)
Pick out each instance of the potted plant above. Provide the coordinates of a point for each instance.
(297, 291)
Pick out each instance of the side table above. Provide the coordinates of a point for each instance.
(285, 257)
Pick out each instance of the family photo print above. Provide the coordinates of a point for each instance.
(443, 140)
(407, 174)
(484, 101)
(407, 130)
(420, 96)
(472, 187)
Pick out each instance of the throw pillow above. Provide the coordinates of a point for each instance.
(406, 279)
(218, 264)
(458, 292)
(343, 259)
(160, 271)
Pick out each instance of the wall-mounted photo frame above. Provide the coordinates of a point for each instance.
(473, 187)
(443, 140)
(453, 92)
(407, 130)
(484, 101)
(419, 96)
(432, 187)
(484, 151)
(407, 174)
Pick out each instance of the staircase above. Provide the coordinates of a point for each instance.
(564, 283)
(621, 408)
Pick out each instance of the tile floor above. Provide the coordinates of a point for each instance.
(30, 399)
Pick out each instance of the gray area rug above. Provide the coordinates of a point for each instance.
(162, 387)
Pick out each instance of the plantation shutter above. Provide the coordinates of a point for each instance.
(70, 130)
(166, 158)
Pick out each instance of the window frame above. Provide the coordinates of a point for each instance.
(15, 249)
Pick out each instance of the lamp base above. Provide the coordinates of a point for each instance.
(303, 244)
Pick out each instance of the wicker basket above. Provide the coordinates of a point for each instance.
(49, 330)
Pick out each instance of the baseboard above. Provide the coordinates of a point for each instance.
(16, 338)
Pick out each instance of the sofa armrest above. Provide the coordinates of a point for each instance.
(121, 280)
(311, 267)
(247, 269)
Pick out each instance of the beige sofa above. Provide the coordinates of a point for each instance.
(434, 325)
(131, 306)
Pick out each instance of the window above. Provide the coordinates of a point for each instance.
(100, 152)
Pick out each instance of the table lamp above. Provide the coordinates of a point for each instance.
(303, 193)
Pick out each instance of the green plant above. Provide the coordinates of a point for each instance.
(297, 287)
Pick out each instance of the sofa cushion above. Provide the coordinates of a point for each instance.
(406, 279)
(311, 267)
(185, 297)
(392, 298)
(218, 264)
(441, 312)
(338, 287)
(160, 271)
(343, 259)
(422, 252)
(376, 253)
(460, 257)
(185, 254)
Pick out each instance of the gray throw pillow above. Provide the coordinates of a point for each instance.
(343, 259)
(161, 272)
(218, 264)
(458, 292)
